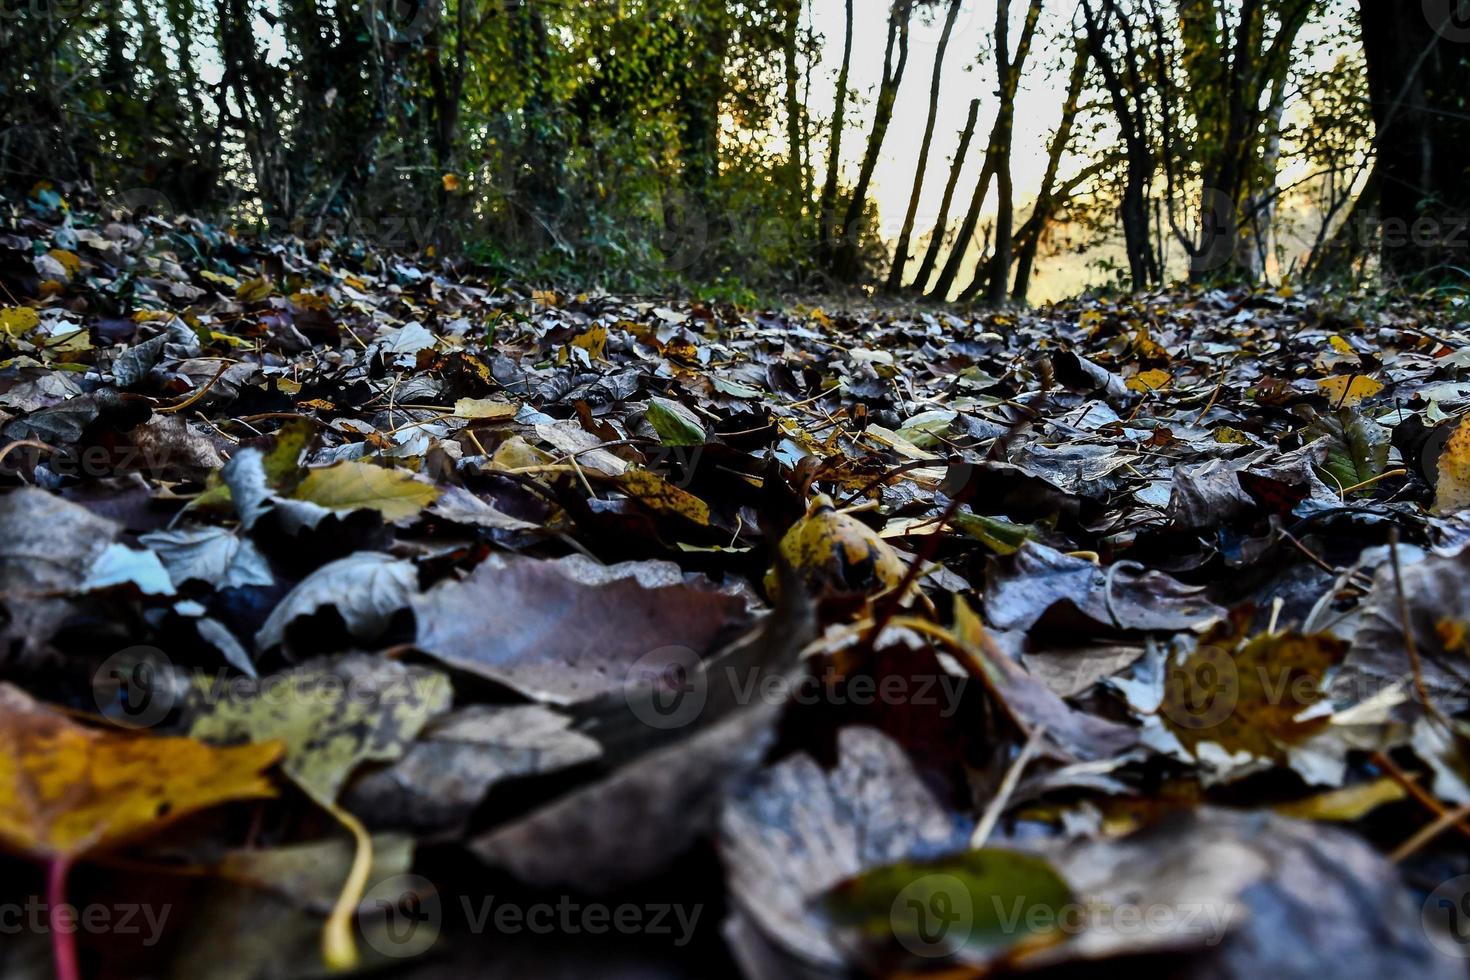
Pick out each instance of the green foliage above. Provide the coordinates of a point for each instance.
(607, 144)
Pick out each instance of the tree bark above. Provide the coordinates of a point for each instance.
(1418, 74)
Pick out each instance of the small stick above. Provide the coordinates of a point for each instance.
(1007, 787)
(1369, 482)
(1420, 686)
(1381, 759)
(1427, 834)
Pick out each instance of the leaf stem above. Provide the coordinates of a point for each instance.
(63, 933)
(339, 947)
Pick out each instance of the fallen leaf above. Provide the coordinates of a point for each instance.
(350, 485)
(1347, 390)
(1452, 489)
(675, 424)
(67, 790)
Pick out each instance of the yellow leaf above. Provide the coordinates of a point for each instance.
(1346, 390)
(543, 297)
(253, 290)
(66, 789)
(837, 553)
(1146, 347)
(1233, 437)
(68, 260)
(1248, 695)
(1452, 489)
(593, 341)
(1090, 320)
(450, 183)
(661, 496)
(219, 278)
(16, 320)
(516, 453)
(484, 408)
(353, 485)
(1152, 380)
(1340, 345)
(1346, 804)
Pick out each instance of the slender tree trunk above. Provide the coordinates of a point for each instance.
(794, 141)
(901, 250)
(1132, 123)
(936, 238)
(1258, 208)
(828, 209)
(846, 261)
(1046, 199)
(1008, 73)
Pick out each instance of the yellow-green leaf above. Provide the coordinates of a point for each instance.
(354, 485)
(16, 320)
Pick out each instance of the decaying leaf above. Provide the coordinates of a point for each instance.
(331, 715)
(566, 631)
(1248, 695)
(836, 552)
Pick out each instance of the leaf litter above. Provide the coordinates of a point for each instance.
(892, 639)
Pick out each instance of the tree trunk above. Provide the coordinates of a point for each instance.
(1132, 124)
(936, 238)
(901, 250)
(845, 264)
(1046, 199)
(793, 106)
(828, 210)
(1418, 74)
(1008, 75)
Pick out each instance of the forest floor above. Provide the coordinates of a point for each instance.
(449, 625)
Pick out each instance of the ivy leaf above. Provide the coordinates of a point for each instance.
(1357, 448)
(674, 423)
